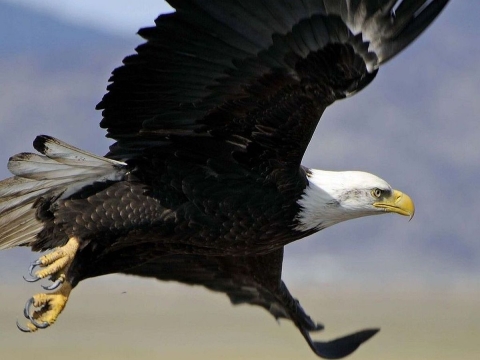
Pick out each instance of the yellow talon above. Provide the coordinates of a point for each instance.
(58, 260)
(50, 305)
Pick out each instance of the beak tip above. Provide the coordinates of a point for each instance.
(411, 215)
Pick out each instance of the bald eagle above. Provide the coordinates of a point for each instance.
(204, 183)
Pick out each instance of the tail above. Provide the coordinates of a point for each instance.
(59, 172)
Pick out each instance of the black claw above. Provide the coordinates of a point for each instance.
(32, 266)
(42, 325)
(26, 313)
(26, 309)
(22, 329)
(54, 286)
(31, 279)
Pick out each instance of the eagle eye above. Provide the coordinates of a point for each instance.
(377, 193)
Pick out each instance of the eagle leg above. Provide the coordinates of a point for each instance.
(50, 306)
(55, 265)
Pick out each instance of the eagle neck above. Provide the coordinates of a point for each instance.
(319, 204)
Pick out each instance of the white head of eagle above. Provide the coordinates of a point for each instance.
(332, 197)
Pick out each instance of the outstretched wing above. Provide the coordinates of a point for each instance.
(244, 279)
(251, 77)
(254, 280)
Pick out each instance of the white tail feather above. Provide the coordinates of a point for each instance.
(61, 171)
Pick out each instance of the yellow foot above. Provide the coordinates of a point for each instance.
(49, 307)
(55, 264)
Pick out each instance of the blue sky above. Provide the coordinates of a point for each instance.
(117, 16)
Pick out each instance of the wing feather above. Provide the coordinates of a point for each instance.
(253, 280)
(222, 68)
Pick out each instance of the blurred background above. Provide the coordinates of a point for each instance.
(416, 125)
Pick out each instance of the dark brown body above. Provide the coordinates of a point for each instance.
(126, 224)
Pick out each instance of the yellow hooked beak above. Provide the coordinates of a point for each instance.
(397, 202)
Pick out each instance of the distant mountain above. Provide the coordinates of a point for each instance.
(52, 74)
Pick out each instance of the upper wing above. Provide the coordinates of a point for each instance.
(254, 74)
(254, 280)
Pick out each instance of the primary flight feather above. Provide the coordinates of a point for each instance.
(204, 184)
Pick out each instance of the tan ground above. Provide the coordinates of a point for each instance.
(125, 318)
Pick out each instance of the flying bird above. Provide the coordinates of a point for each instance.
(204, 184)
